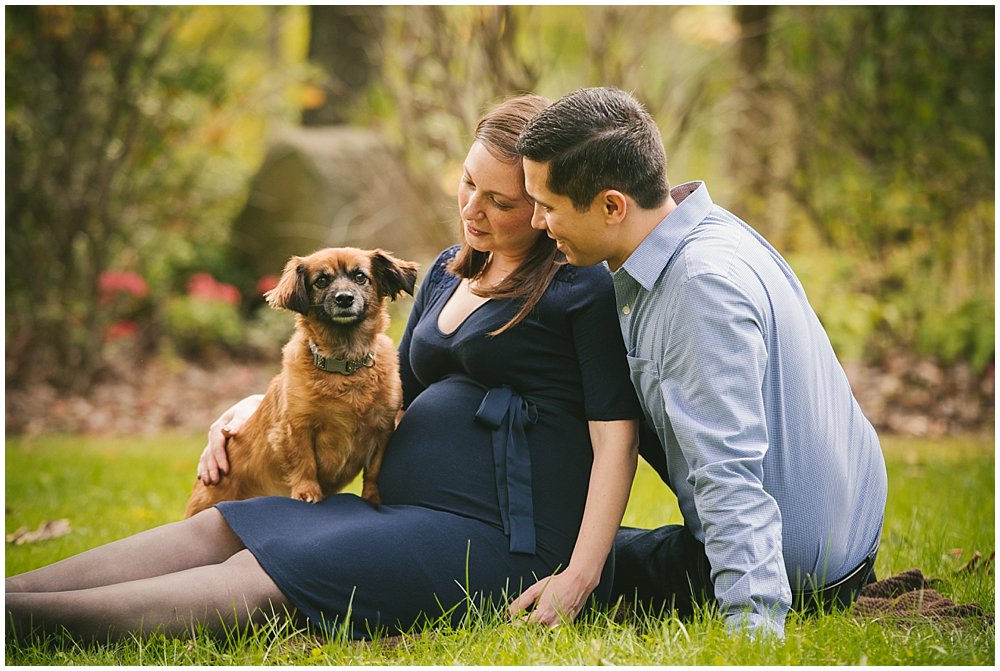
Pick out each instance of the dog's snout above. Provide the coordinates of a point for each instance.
(343, 303)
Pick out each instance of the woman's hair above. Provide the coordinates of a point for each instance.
(498, 131)
(596, 139)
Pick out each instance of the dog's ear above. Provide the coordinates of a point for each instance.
(393, 275)
(291, 292)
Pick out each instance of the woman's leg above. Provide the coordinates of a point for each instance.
(197, 541)
(219, 596)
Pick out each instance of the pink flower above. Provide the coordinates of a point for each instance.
(266, 283)
(203, 286)
(112, 282)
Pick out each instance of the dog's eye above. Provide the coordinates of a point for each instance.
(360, 278)
(322, 282)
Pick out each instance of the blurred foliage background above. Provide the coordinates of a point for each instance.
(162, 162)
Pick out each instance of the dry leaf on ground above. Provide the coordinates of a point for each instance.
(48, 530)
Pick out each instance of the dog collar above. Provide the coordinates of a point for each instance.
(332, 364)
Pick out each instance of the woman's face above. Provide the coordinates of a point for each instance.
(496, 213)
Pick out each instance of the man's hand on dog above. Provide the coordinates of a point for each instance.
(214, 462)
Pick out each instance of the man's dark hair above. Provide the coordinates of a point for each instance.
(596, 139)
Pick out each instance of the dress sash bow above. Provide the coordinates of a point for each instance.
(505, 412)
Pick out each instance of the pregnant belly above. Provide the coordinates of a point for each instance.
(440, 457)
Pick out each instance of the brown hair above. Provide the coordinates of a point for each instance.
(498, 131)
(596, 139)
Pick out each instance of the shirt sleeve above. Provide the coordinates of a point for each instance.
(608, 393)
(711, 379)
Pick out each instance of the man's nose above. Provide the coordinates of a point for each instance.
(538, 219)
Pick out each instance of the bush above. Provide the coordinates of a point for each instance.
(207, 319)
(966, 333)
(267, 331)
(200, 328)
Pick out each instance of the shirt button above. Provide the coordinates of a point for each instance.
(626, 309)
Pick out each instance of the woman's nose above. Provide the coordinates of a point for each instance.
(472, 209)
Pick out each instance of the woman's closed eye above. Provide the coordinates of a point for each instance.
(499, 204)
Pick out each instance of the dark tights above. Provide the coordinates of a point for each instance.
(168, 579)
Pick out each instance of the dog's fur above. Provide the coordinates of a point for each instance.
(315, 430)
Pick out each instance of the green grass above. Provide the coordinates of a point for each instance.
(940, 511)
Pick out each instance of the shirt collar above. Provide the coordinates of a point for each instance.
(646, 263)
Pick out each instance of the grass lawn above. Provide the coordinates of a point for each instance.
(940, 511)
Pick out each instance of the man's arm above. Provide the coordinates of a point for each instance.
(711, 379)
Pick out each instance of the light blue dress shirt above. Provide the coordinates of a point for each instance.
(776, 469)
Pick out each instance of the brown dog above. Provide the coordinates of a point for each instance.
(332, 408)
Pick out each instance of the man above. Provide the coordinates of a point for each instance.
(778, 475)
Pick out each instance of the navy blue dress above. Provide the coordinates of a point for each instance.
(485, 480)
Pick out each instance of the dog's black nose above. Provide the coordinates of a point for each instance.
(344, 299)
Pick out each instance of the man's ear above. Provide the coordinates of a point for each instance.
(614, 205)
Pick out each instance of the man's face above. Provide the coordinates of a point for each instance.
(578, 235)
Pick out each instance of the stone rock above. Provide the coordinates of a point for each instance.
(335, 186)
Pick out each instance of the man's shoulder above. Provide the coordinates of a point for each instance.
(712, 246)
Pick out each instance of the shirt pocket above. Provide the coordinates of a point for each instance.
(645, 376)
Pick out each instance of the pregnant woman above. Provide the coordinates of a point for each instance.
(508, 473)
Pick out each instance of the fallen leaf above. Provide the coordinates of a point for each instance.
(48, 530)
(974, 565)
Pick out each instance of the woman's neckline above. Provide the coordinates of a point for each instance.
(465, 319)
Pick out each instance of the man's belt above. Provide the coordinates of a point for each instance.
(840, 593)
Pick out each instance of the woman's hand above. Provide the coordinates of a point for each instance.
(214, 461)
(556, 599)
(559, 598)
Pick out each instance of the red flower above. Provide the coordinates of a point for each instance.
(203, 286)
(121, 329)
(112, 282)
(266, 283)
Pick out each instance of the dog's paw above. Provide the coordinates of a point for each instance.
(370, 494)
(310, 493)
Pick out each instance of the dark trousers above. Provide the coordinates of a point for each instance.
(667, 569)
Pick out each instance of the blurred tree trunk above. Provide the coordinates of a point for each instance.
(345, 42)
(334, 180)
(752, 147)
